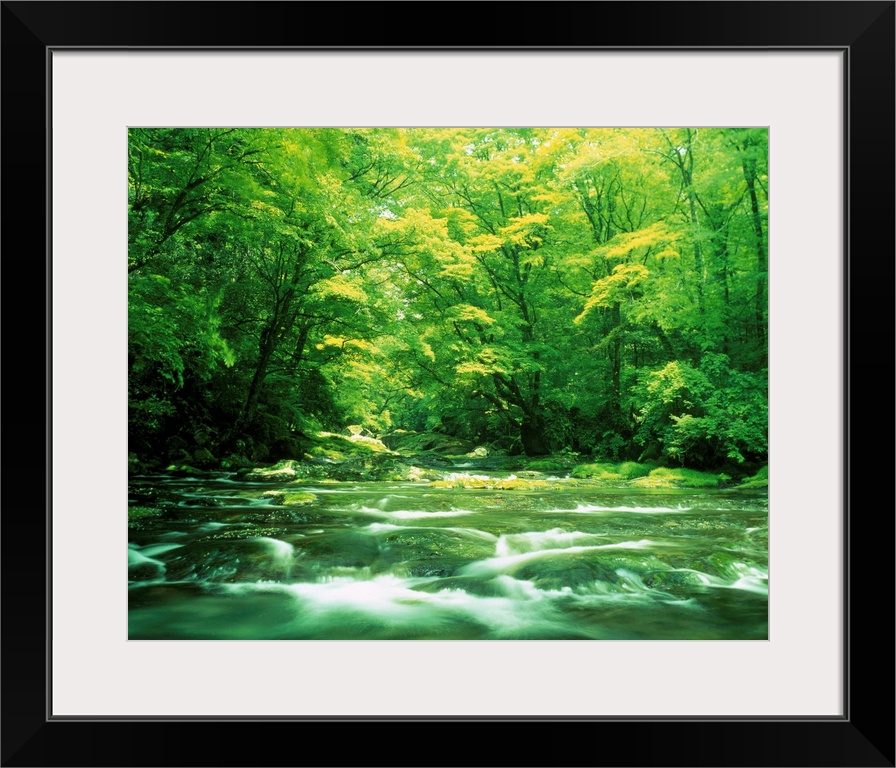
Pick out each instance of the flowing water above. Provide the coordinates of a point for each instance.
(219, 558)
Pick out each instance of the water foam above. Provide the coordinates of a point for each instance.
(502, 563)
(282, 553)
(414, 514)
(590, 508)
(152, 550)
(556, 538)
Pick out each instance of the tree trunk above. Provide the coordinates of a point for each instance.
(532, 436)
(266, 351)
(749, 168)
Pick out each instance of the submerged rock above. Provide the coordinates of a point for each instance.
(564, 569)
(252, 559)
(337, 549)
(674, 581)
(143, 568)
(425, 552)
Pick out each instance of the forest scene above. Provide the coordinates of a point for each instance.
(448, 383)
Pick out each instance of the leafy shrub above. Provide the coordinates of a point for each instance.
(704, 416)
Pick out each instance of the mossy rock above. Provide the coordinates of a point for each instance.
(440, 567)
(236, 462)
(222, 560)
(609, 472)
(410, 443)
(673, 581)
(145, 572)
(203, 458)
(285, 514)
(759, 480)
(289, 497)
(371, 443)
(668, 477)
(633, 469)
(201, 437)
(330, 445)
(247, 532)
(548, 465)
(595, 471)
(143, 513)
(726, 565)
(183, 469)
(470, 585)
(565, 570)
(337, 549)
(435, 552)
(492, 483)
(419, 474)
(282, 470)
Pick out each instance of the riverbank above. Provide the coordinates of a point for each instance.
(431, 458)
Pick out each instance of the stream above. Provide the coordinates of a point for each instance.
(220, 558)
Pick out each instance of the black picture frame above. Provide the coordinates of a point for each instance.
(863, 736)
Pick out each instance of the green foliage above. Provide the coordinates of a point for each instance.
(704, 416)
(608, 471)
(601, 291)
(553, 464)
(632, 469)
(598, 471)
(171, 330)
(680, 477)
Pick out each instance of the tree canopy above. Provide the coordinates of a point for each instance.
(597, 290)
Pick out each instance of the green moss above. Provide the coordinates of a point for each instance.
(183, 469)
(610, 472)
(141, 513)
(327, 453)
(294, 499)
(330, 445)
(668, 477)
(598, 471)
(548, 465)
(759, 480)
(585, 470)
(492, 483)
(414, 443)
(282, 470)
(632, 469)
(251, 532)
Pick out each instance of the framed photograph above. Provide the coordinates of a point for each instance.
(808, 682)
